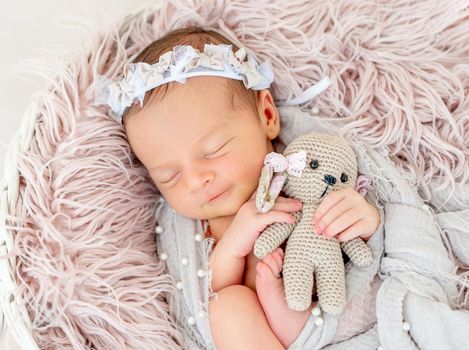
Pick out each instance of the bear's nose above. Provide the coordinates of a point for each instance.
(329, 179)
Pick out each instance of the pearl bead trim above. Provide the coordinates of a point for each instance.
(184, 261)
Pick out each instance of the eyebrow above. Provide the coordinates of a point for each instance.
(206, 136)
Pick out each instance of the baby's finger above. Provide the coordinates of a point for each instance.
(328, 202)
(265, 219)
(282, 198)
(343, 222)
(352, 232)
(288, 205)
(335, 212)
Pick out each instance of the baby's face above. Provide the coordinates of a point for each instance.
(196, 146)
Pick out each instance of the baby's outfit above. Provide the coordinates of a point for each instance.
(183, 244)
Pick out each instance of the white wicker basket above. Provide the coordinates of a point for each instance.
(15, 325)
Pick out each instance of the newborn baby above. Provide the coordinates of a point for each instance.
(203, 142)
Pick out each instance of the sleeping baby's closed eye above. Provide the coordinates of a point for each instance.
(218, 151)
(221, 148)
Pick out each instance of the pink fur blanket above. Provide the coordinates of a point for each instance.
(84, 223)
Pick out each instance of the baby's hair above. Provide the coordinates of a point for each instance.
(197, 37)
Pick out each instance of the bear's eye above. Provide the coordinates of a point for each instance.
(343, 177)
(314, 164)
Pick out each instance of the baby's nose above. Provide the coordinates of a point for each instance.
(200, 180)
(329, 179)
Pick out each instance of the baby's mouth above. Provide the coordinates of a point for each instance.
(327, 186)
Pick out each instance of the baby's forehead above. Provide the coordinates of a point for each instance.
(193, 111)
(206, 85)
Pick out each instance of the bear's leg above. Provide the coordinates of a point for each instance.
(298, 280)
(330, 278)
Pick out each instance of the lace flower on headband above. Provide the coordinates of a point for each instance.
(182, 62)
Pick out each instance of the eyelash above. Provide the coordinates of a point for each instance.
(218, 149)
(168, 181)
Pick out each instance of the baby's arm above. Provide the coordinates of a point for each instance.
(227, 268)
(229, 256)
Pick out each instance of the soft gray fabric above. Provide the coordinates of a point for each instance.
(414, 281)
(178, 241)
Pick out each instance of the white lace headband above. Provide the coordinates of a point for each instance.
(183, 62)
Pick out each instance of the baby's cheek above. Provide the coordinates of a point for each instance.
(155, 183)
(249, 173)
(233, 166)
(182, 204)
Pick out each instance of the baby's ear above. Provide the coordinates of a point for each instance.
(269, 188)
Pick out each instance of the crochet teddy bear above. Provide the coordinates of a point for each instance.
(312, 165)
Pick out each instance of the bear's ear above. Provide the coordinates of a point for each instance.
(363, 184)
(269, 187)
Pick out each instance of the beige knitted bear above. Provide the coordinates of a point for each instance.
(312, 166)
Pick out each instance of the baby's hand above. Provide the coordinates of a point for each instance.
(249, 223)
(345, 214)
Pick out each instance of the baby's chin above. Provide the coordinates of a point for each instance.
(214, 210)
(207, 211)
(227, 206)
